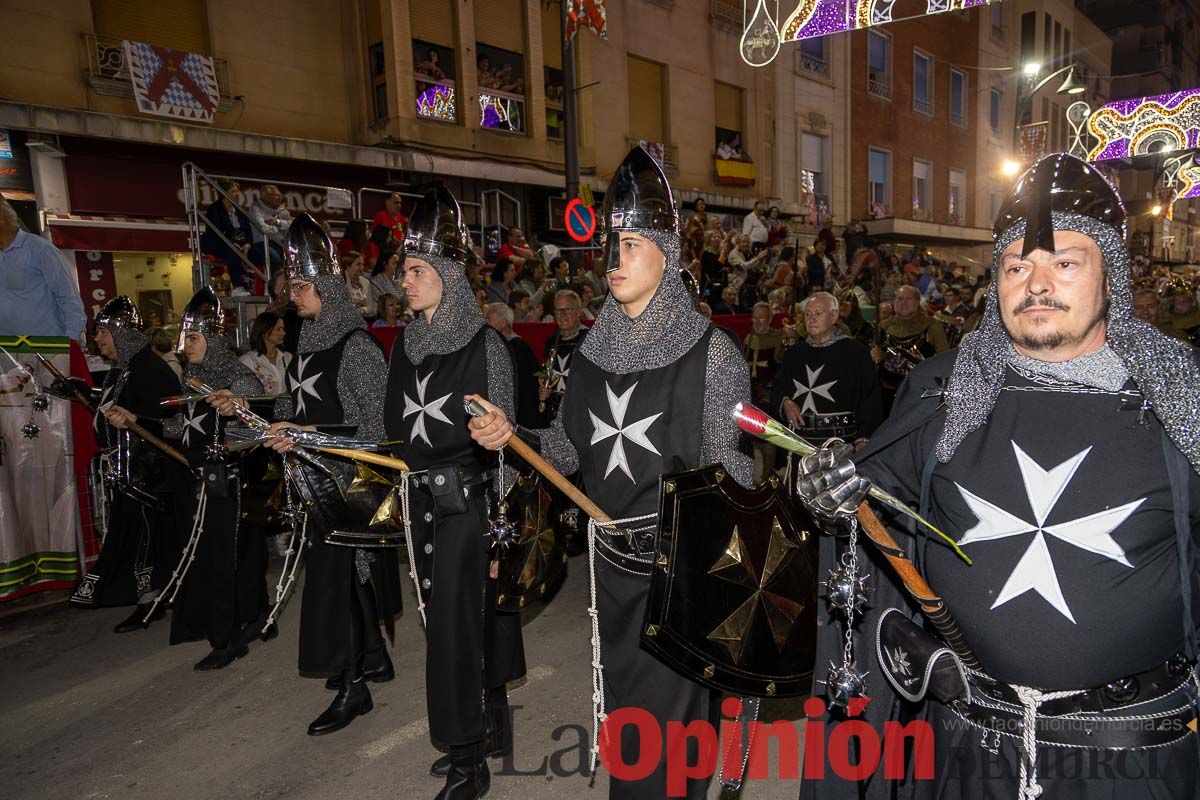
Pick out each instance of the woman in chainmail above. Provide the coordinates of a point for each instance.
(651, 392)
(222, 596)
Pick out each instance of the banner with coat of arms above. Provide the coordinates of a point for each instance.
(172, 83)
(587, 14)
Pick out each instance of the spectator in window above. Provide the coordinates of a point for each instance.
(516, 249)
(390, 308)
(37, 295)
(777, 229)
(357, 237)
(385, 278)
(429, 67)
(266, 358)
(731, 149)
(392, 217)
(228, 235)
(755, 226)
(163, 344)
(504, 276)
(272, 220)
(353, 267)
(818, 267)
(483, 73)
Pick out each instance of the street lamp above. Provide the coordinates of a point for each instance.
(1010, 168)
(1069, 86)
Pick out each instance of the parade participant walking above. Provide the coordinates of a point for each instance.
(223, 596)
(1060, 446)
(140, 549)
(651, 392)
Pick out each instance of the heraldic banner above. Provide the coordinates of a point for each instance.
(171, 83)
(39, 512)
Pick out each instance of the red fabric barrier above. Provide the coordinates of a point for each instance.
(85, 447)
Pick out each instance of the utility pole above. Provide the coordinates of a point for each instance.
(570, 119)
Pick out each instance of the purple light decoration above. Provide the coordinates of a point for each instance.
(490, 116)
(436, 102)
(1120, 125)
(813, 18)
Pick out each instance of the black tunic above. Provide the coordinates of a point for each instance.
(471, 647)
(225, 586)
(836, 378)
(557, 354)
(140, 547)
(629, 430)
(339, 615)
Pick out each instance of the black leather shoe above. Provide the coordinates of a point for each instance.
(219, 659)
(134, 621)
(468, 777)
(380, 673)
(253, 630)
(352, 700)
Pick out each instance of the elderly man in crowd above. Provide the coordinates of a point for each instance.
(271, 218)
(37, 295)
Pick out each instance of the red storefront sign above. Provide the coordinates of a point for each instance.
(97, 281)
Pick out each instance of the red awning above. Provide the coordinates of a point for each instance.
(118, 234)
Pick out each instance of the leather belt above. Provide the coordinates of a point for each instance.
(1148, 685)
(631, 550)
(474, 483)
(1105, 733)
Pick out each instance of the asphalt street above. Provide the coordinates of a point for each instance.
(86, 713)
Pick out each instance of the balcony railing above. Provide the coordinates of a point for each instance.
(726, 14)
(108, 74)
(879, 88)
(922, 106)
(666, 154)
(811, 64)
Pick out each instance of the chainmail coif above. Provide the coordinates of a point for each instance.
(457, 319)
(128, 343)
(668, 327)
(1164, 369)
(338, 316)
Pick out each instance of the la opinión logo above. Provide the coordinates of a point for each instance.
(853, 750)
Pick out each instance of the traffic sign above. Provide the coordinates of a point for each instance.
(580, 220)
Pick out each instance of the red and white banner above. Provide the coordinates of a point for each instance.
(587, 15)
(171, 83)
(97, 280)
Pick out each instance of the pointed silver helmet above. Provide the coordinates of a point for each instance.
(436, 228)
(120, 312)
(310, 250)
(204, 315)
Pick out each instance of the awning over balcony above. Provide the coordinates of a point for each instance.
(894, 228)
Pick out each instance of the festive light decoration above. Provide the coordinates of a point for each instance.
(1145, 125)
(822, 17)
(499, 113)
(436, 101)
(760, 40)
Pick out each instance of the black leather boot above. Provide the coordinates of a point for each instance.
(377, 668)
(222, 657)
(498, 739)
(352, 700)
(469, 777)
(134, 621)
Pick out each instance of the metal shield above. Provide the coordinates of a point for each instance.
(733, 596)
(535, 563)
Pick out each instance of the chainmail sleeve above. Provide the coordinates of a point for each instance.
(284, 409)
(727, 383)
(556, 447)
(245, 383)
(500, 388)
(172, 427)
(362, 385)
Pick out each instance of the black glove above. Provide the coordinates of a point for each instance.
(829, 485)
(65, 389)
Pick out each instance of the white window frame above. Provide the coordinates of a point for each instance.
(923, 210)
(887, 185)
(962, 196)
(825, 158)
(966, 92)
(880, 88)
(918, 52)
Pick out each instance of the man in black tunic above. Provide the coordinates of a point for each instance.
(1059, 445)
(336, 383)
(140, 547)
(223, 597)
(827, 385)
(561, 347)
(445, 353)
(652, 389)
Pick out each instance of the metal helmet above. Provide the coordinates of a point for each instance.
(120, 312)
(1059, 182)
(638, 198)
(204, 315)
(436, 228)
(690, 282)
(310, 251)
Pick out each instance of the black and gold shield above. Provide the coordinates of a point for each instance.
(733, 596)
(532, 566)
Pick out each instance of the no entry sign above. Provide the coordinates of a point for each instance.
(580, 220)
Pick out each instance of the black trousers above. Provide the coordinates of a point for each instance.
(339, 614)
(473, 650)
(140, 549)
(635, 679)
